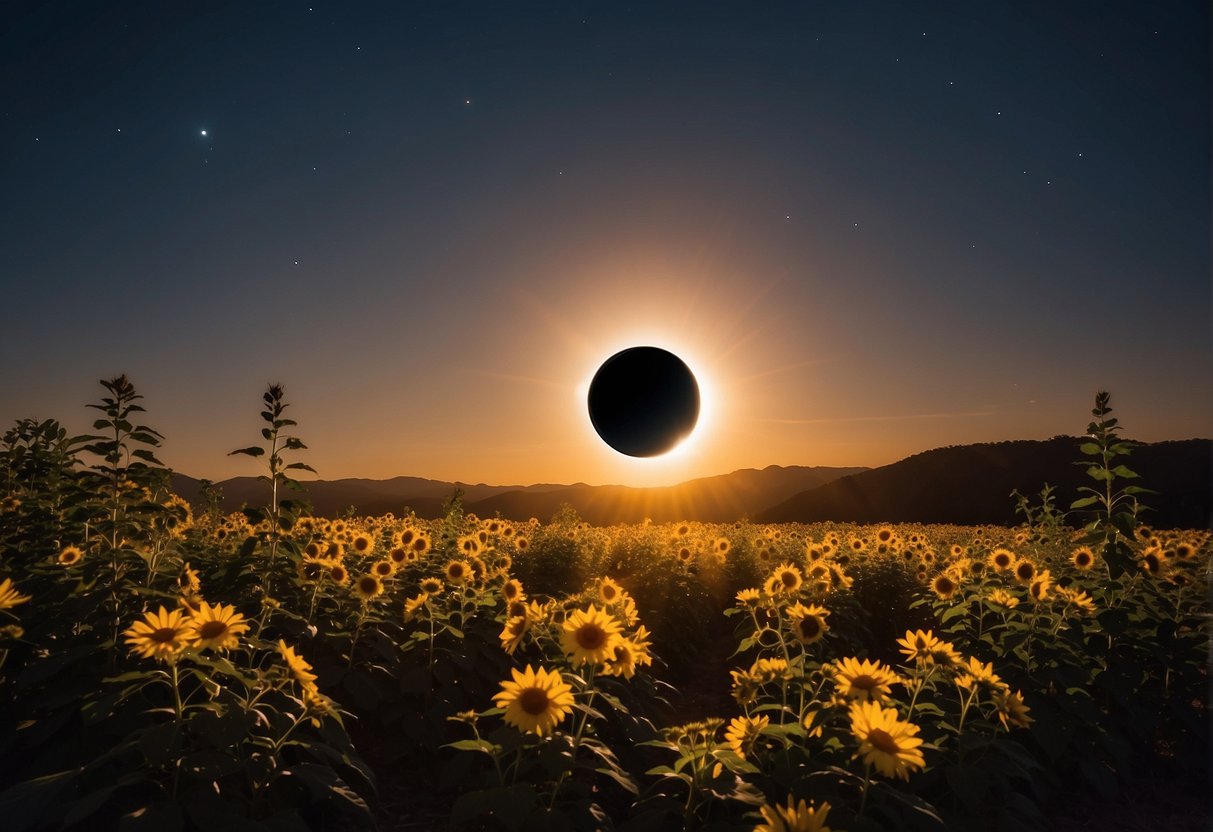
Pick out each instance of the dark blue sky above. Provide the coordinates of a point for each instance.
(945, 222)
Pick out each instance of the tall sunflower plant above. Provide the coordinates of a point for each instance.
(543, 735)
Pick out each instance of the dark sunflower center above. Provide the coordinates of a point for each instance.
(368, 585)
(810, 626)
(212, 629)
(788, 578)
(591, 637)
(881, 740)
(534, 701)
(164, 635)
(865, 682)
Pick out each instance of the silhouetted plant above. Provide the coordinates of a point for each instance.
(1044, 520)
(1113, 509)
(279, 516)
(42, 497)
(127, 477)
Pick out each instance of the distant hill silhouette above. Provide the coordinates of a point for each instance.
(722, 498)
(330, 498)
(970, 484)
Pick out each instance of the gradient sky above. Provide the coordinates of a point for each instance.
(870, 228)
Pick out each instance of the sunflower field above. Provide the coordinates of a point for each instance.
(168, 666)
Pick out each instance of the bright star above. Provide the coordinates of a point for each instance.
(203, 132)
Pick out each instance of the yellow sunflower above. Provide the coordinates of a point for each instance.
(215, 627)
(1038, 590)
(864, 681)
(513, 631)
(945, 655)
(808, 623)
(362, 544)
(469, 546)
(590, 636)
(786, 578)
(1083, 558)
(975, 674)
(1012, 712)
(458, 572)
(300, 669)
(944, 585)
(886, 742)
(1025, 570)
(749, 597)
(917, 645)
(630, 653)
(742, 733)
(799, 817)
(608, 591)
(412, 605)
(160, 635)
(1077, 598)
(512, 591)
(70, 556)
(1003, 599)
(431, 586)
(535, 701)
(368, 586)
(1152, 561)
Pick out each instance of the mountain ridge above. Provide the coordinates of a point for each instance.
(971, 484)
(720, 498)
(962, 484)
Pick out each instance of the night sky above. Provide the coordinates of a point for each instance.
(870, 229)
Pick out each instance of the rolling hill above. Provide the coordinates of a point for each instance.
(712, 499)
(970, 484)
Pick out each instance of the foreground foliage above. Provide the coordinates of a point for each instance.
(164, 666)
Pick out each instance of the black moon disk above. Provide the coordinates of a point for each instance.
(643, 401)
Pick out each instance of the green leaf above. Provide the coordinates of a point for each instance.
(33, 804)
(473, 745)
(1084, 502)
(953, 612)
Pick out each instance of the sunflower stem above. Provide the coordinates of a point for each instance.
(867, 781)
